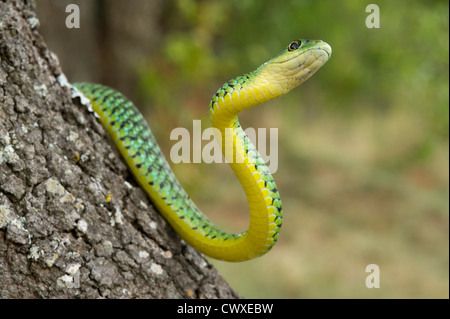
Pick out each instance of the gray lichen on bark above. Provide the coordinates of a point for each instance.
(73, 223)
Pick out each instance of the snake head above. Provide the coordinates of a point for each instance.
(293, 65)
(280, 74)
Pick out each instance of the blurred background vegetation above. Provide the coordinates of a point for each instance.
(363, 145)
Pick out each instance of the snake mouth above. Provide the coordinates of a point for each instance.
(320, 55)
(327, 48)
(317, 50)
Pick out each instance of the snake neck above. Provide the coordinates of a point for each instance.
(236, 95)
(241, 93)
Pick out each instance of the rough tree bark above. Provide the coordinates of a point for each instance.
(73, 223)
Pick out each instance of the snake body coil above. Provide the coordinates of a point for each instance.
(132, 136)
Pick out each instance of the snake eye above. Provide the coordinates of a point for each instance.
(294, 45)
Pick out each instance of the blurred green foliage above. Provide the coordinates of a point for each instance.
(364, 142)
(404, 64)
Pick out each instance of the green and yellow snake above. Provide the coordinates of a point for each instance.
(132, 136)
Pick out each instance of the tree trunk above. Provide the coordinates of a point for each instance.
(73, 222)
